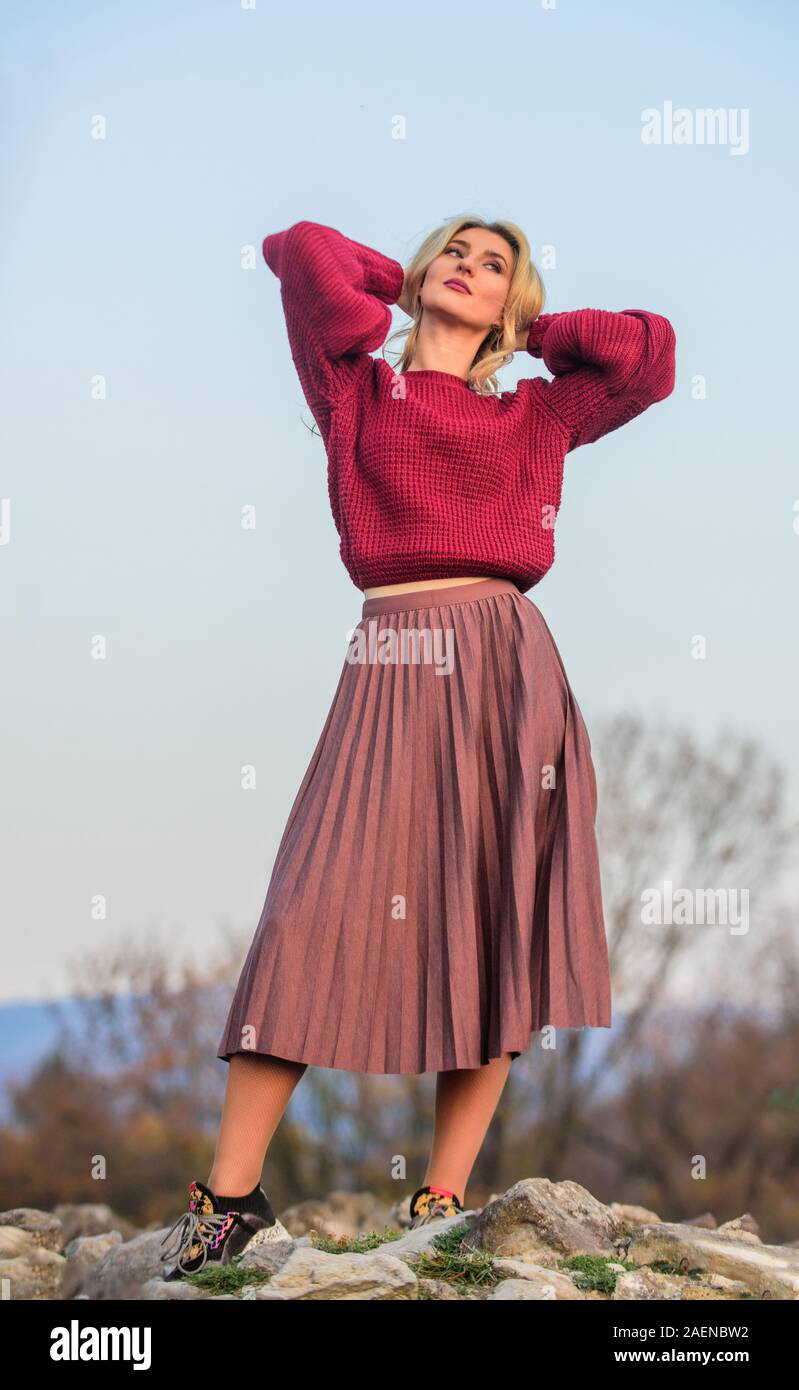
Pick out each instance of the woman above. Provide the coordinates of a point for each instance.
(435, 898)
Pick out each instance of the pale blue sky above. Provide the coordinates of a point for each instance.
(123, 258)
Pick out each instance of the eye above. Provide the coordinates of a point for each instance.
(457, 251)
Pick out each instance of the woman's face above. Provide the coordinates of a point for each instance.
(481, 261)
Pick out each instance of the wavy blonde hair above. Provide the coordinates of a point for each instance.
(525, 300)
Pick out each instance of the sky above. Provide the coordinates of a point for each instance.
(149, 396)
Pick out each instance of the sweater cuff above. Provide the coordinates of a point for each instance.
(535, 337)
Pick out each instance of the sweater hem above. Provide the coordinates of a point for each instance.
(406, 570)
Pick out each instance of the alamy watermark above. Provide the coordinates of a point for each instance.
(704, 126)
(690, 906)
(405, 646)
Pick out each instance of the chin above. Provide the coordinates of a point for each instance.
(457, 306)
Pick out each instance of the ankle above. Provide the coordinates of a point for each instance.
(440, 1190)
(232, 1185)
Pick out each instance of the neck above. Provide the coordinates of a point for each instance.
(442, 348)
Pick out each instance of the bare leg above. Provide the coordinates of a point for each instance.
(258, 1090)
(465, 1103)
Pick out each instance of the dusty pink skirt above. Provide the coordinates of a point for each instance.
(435, 898)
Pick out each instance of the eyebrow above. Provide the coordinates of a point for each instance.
(461, 241)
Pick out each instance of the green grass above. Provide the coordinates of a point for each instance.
(358, 1245)
(216, 1278)
(591, 1271)
(669, 1267)
(449, 1260)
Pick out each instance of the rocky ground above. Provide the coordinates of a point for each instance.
(539, 1240)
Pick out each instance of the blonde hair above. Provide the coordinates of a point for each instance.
(524, 302)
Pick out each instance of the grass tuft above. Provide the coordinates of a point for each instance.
(358, 1245)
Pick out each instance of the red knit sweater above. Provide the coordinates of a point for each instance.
(428, 479)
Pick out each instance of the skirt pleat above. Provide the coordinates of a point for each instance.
(435, 898)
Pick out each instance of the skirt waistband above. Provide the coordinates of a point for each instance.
(436, 598)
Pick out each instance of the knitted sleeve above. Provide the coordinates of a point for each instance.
(607, 367)
(335, 294)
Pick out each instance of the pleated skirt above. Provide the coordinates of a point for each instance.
(435, 899)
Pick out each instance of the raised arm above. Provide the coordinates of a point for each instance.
(608, 367)
(335, 294)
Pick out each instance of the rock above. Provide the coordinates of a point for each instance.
(340, 1214)
(516, 1290)
(745, 1227)
(414, 1242)
(440, 1290)
(315, 1274)
(720, 1281)
(771, 1270)
(542, 1222)
(15, 1241)
(34, 1274)
(92, 1219)
(176, 1291)
(86, 1246)
(552, 1285)
(83, 1254)
(642, 1285)
(632, 1215)
(268, 1250)
(123, 1271)
(702, 1291)
(42, 1226)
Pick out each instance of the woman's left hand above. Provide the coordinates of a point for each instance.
(534, 335)
(403, 301)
